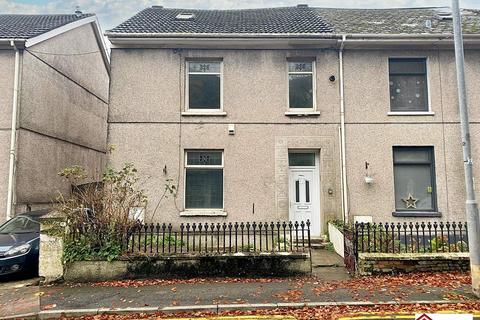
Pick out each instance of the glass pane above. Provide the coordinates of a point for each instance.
(414, 180)
(204, 91)
(307, 191)
(213, 67)
(300, 91)
(407, 66)
(408, 155)
(297, 191)
(204, 189)
(300, 67)
(208, 158)
(408, 93)
(20, 224)
(301, 159)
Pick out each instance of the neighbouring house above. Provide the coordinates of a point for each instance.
(54, 101)
(293, 113)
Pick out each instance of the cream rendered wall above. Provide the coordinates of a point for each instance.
(86, 65)
(57, 107)
(371, 132)
(7, 68)
(146, 101)
(62, 115)
(40, 159)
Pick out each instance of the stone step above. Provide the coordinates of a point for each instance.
(318, 240)
(322, 245)
(314, 242)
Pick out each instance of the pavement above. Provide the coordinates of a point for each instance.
(400, 316)
(329, 285)
(19, 296)
(328, 266)
(287, 292)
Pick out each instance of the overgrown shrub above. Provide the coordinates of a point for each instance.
(98, 214)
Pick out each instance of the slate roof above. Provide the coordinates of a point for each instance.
(245, 21)
(397, 21)
(299, 20)
(20, 26)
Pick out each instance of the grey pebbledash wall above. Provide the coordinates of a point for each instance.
(385, 263)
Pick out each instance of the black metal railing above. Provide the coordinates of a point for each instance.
(409, 237)
(219, 238)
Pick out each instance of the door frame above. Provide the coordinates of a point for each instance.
(316, 173)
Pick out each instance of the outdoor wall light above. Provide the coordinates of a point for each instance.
(368, 178)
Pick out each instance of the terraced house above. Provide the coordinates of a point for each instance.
(293, 113)
(54, 99)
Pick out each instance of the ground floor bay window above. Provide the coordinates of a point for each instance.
(414, 179)
(204, 180)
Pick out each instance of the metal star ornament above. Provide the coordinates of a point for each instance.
(410, 201)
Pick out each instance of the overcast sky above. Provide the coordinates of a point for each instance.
(113, 12)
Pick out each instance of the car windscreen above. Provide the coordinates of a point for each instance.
(20, 224)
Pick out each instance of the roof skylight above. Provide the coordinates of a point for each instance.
(185, 16)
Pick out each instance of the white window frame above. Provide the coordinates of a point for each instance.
(429, 111)
(188, 110)
(203, 211)
(314, 87)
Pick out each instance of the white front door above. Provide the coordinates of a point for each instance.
(304, 197)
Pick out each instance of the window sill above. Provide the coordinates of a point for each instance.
(417, 214)
(204, 114)
(203, 213)
(411, 113)
(303, 113)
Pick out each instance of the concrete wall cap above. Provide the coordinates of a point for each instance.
(53, 214)
(414, 256)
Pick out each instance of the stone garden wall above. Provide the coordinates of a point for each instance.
(251, 265)
(386, 263)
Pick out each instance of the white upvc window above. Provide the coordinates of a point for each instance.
(204, 179)
(301, 85)
(204, 87)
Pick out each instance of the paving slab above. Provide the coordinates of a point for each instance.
(327, 265)
(326, 258)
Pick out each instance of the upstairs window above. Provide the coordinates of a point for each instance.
(301, 91)
(408, 85)
(204, 180)
(414, 178)
(204, 85)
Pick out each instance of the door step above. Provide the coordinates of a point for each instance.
(315, 243)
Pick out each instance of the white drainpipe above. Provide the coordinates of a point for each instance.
(342, 133)
(13, 136)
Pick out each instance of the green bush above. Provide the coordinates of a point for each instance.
(167, 240)
(81, 250)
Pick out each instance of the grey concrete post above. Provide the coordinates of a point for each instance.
(471, 203)
(52, 231)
